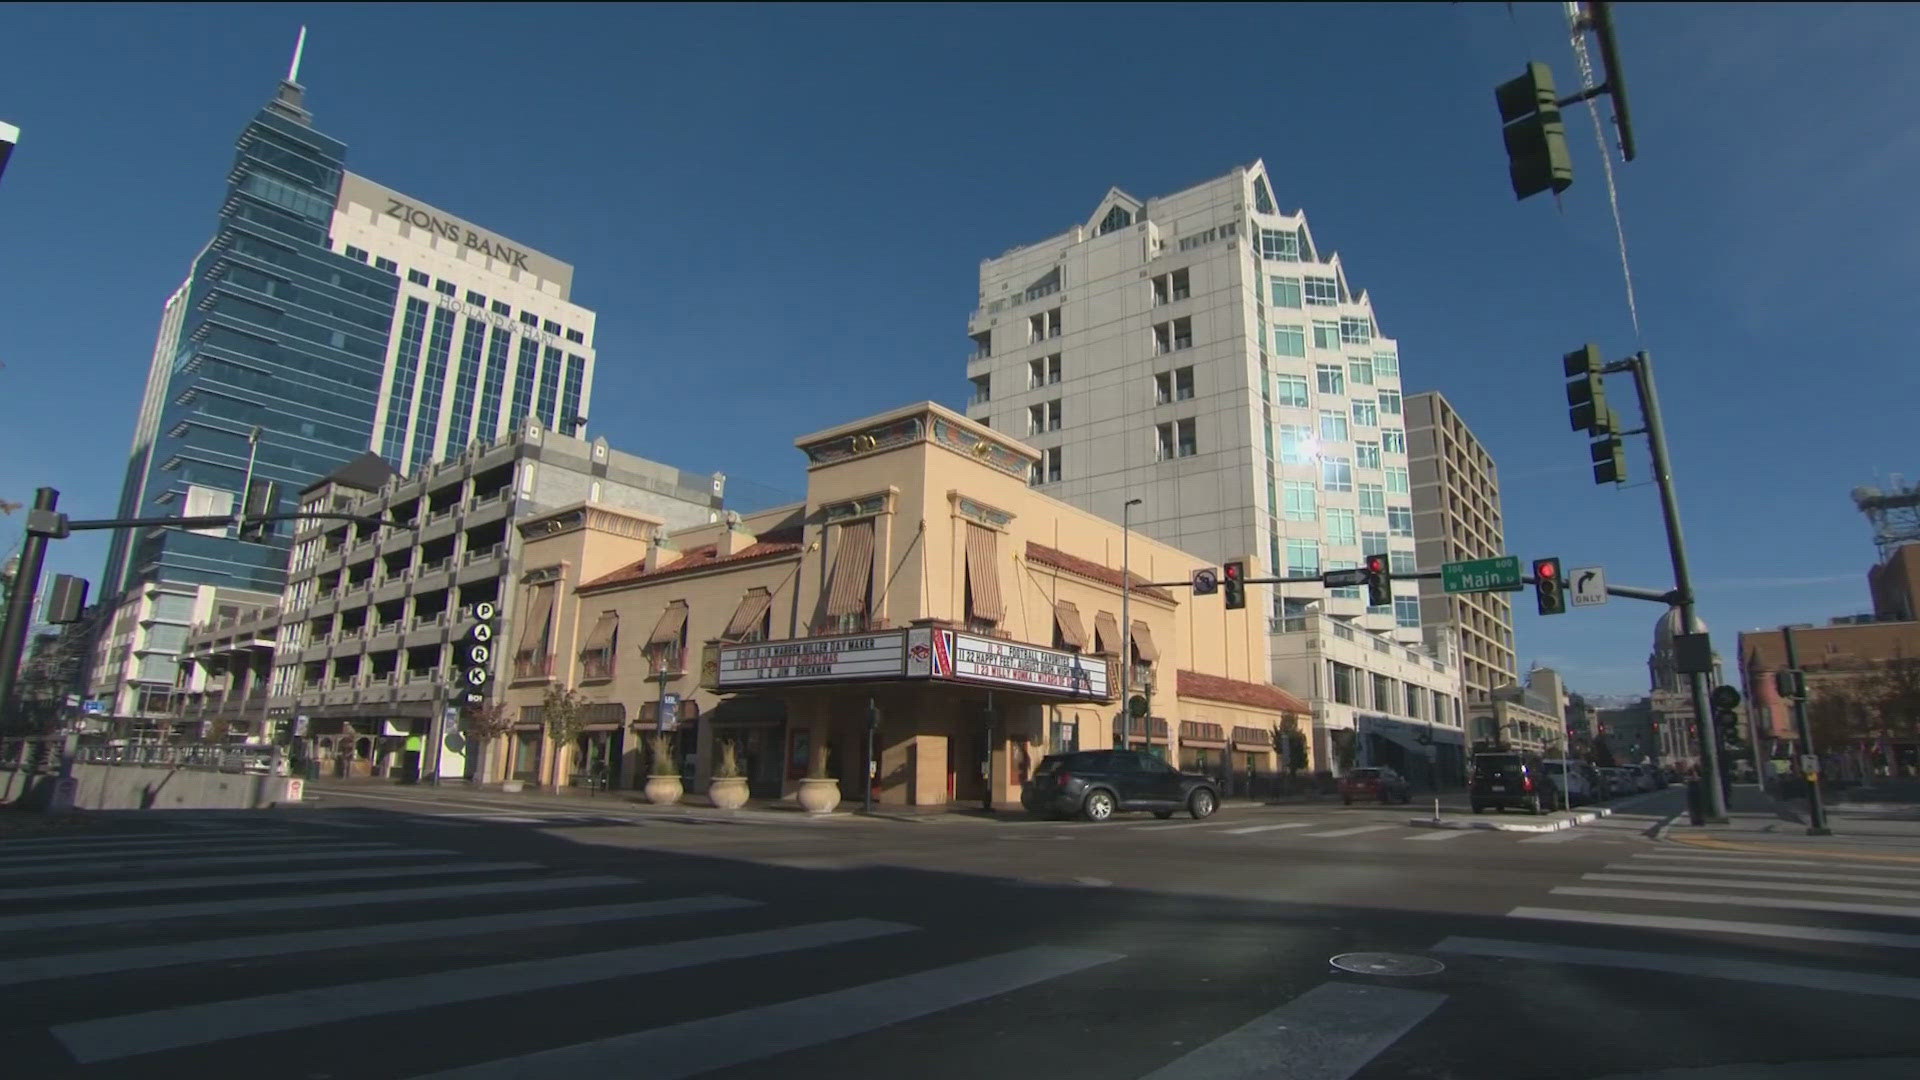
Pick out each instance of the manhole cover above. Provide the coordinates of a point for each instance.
(1383, 963)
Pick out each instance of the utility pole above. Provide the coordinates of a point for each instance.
(1126, 625)
(1803, 730)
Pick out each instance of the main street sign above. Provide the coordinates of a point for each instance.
(1482, 575)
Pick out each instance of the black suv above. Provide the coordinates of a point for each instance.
(1095, 783)
(1521, 780)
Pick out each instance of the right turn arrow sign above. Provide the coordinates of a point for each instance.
(1589, 586)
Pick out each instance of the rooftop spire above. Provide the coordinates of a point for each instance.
(288, 102)
(299, 46)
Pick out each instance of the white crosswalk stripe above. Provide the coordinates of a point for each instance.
(1434, 836)
(1351, 831)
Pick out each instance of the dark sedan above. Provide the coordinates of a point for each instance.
(1095, 784)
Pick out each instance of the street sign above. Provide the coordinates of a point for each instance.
(1205, 581)
(1589, 586)
(1725, 698)
(669, 710)
(1337, 579)
(1481, 575)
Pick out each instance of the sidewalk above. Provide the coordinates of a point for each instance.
(1759, 822)
(691, 806)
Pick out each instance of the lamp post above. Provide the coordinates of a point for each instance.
(1126, 621)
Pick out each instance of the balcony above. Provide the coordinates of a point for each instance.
(597, 665)
(438, 565)
(532, 667)
(497, 551)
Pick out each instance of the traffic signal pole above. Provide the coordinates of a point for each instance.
(26, 585)
(1641, 367)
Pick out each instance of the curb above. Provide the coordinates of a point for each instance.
(1578, 818)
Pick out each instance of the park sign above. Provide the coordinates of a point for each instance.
(1500, 574)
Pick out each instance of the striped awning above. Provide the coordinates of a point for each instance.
(601, 637)
(1067, 617)
(1143, 643)
(672, 621)
(753, 607)
(983, 573)
(533, 627)
(852, 570)
(1106, 630)
(1250, 736)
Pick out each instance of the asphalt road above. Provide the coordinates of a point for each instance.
(389, 934)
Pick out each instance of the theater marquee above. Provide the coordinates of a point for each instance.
(913, 654)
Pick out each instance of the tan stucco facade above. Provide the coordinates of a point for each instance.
(923, 578)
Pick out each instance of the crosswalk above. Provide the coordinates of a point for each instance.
(1333, 827)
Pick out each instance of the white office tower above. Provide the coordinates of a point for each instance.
(1200, 352)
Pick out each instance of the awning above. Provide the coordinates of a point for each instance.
(852, 570)
(533, 629)
(601, 638)
(1199, 733)
(1143, 643)
(753, 607)
(1249, 736)
(672, 621)
(749, 712)
(1067, 617)
(1106, 629)
(983, 574)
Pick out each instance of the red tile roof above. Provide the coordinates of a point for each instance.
(1193, 684)
(700, 558)
(1086, 568)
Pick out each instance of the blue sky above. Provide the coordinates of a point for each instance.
(779, 212)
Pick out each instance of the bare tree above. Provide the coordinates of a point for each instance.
(564, 713)
(483, 726)
(1890, 695)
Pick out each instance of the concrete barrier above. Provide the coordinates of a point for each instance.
(148, 787)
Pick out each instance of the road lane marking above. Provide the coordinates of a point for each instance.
(1896, 911)
(199, 909)
(116, 1037)
(1707, 859)
(1560, 837)
(229, 860)
(1355, 831)
(1750, 883)
(1328, 1033)
(1248, 829)
(221, 881)
(1710, 967)
(1436, 835)
(1705, 843)
(696, 1047)
(80, 843)
(1749, 872)
(37, 968)
(1162, 826)
(1718, 926)
(110, 854)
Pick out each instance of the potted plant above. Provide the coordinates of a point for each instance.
(819, 792)
(663, 778)
(728, 790)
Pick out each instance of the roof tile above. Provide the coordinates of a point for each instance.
(1194, 684)
(1087, 568)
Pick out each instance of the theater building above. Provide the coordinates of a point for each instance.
(923, 587)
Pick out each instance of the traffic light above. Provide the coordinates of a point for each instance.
(1536, 136)
(65, 600)
(263, 496)
(1379, 581)
(1549, 588)
(1233, 582)
(1609, 460)
(1586, 396)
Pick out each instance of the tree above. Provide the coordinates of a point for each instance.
(1346, 746)
(482, 726)
(1294, 745)
(565, 716)
(1602, 753)
(1891, 693)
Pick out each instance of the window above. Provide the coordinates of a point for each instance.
(1332, 380)
(1400, 521)
(1169, 337)
(445, 288)
(500, 308)
(1399, 562)
(476, 299)
(1360, 370)
(1373, 500)
(982, 389)
(1372, 543)
(1043, 371)
(1285, 291)
(1356, 330)
(528, 318)
(1289, 341)
(1296, 444)
(1390, 402)
(1393, 440)
(1386, 364)
(1336, 474)
(1366, 455)
(418, 278)
(597, 655)
(1291, 390)
(356, 254)
(1406, 612)
(1182, 285)
(1326, 335)
(1323, 292)
(550, 327)
(1171, 386)
(1279, 246)
(1118, 217)
(577, 337)
(1047, 469)
(1043, 417)
(1366, 414)
(1333, 426)
(1300, 500)
(1341, 526)
(387, 265)
(1303, 557)
(1345, 592)
(1397, 480)
(1176, 439)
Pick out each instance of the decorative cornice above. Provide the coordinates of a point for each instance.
(973, 510)
(987, 451)
(873, 440)
(873, 505)
(541, 575)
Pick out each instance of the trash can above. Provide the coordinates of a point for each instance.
(1696, 802)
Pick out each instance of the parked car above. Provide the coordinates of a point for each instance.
(1574, 779)
(1643, 777)
(1618, 782)
(1374, 784)
(1096, 784)
(1504, 779)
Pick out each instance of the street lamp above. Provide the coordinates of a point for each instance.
(1126, 623)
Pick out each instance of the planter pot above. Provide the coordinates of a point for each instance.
(511, 787)
(663, 790)
(819, 796)
(728, 792)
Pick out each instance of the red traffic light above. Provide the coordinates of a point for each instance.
(1232, 571)
(1376, 564)
(1545, 568)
